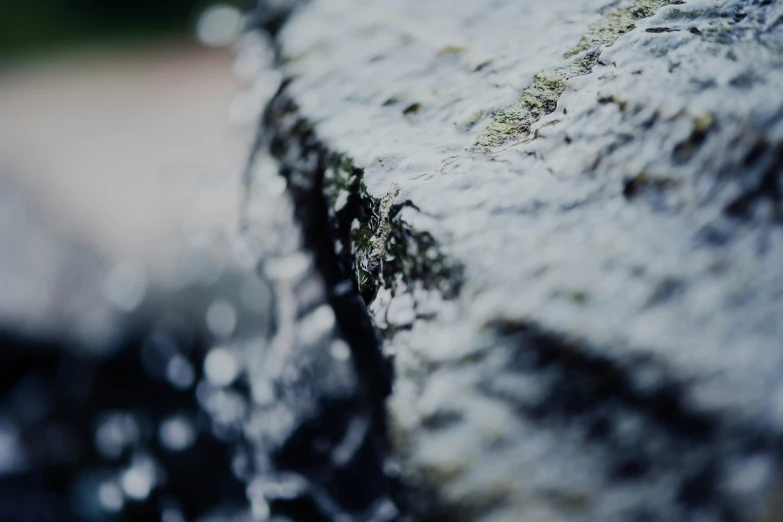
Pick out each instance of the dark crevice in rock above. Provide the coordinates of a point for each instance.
(648, 185)
(686, 149)
(769, 158)
(412, 255)
(340, 239)
(593, 380)
(303, 162)
(350, 486)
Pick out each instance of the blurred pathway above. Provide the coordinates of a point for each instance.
(126, 151)
(120, 173)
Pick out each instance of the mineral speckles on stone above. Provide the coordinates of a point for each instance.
(541, 98)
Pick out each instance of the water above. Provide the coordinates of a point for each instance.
(203, 376)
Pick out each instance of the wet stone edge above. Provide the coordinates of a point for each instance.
(308, 168)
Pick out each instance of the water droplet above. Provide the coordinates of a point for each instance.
(172, 515)
(262, 391)
(254, 296)
(125, 286)
(221, 367)
(221, 319)
(179, 372)
(226, 407)
(748, 475)
(260, 509)
(177, 433)
(138, 480)
(340, 350)
(219, 25)
(343, 288)
(10, 450)
(116, 432)
(288, 267)
(385, 511)
(110, 496)
(279, 486)
(276, 186)
(315, 325)
(352, 441)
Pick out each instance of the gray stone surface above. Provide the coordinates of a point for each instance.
(582, 290)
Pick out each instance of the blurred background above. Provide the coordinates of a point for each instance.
(54, 25)
(123, 136)
(106, 105)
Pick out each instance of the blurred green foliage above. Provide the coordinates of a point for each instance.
(29, 25)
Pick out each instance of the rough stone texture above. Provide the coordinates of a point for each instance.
(586, 320)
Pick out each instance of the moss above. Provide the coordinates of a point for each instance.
(338, 178)
(585, 64)
(340, 218)
(536, 102)
(408, 255)
(541, 98)
(614, 24)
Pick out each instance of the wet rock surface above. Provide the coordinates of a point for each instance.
(581, 295)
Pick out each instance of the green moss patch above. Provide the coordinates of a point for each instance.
(540, 99)
(408, 256)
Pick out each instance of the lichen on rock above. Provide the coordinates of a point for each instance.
(540, 99)
(381, 249)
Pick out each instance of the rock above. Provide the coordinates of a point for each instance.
(579, 281)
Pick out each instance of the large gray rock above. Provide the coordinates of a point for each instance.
(580, 278)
